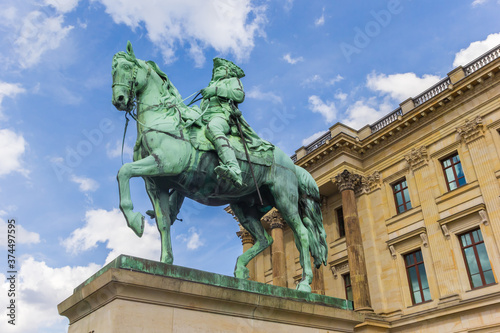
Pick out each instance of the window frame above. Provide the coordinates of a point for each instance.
(452, 166)
(346, 286)
(415, 264)
(478, 261)
(394, 193)
(340, 221)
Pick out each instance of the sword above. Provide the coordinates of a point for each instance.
(248, 159)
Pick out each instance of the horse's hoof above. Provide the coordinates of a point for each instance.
(242, 273)
(167, 259)
(136, 223)
(304, 286)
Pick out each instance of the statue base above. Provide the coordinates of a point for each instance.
(137, 295)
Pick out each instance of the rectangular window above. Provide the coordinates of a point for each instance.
(348, 287)
(417, 277)
(453, 172)
(401, 196)
(340, 222)
(476, 259)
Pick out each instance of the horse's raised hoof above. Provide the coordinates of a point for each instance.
(242, 273)
(304, 286)
(136, 223)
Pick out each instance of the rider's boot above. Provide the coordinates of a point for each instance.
(230, 168)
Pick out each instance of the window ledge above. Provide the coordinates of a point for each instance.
(451, 194)
(402, 216)
(482, 287)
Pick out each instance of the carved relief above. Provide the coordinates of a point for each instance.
(472, 130)
(417, 158)
(370, 183)
(347, 180)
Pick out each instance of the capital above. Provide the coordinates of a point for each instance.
(347, 180)
(274, 219)
(472, 130)
(245, 236)
(417, 158)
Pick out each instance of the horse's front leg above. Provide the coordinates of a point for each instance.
(145, 167)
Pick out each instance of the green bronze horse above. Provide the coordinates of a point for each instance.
(167, 157)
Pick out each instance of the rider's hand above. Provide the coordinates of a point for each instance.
(208, 92)
(236, 112)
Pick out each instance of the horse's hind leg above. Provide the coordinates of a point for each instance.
(249, 217)
(163, 214)
(286, 199)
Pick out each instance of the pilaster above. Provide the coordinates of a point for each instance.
(442, 252)
(278, 248)
(473, 136)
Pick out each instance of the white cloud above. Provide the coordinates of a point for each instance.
(288, 58)
(228, 26)
(38, 34)
(400, 86)
(116, 151)
(12, 148)
(478, 2)
(365, 112)
(40, 288)
(340, 95)
(9, 90)
(110, 227)
(85, 184)
(62, 6)
(256, 93)
(321, 20)
(22, 236)
(327, 110)
(192, 239)
(317, 79)
(476, 49)
(313, 137)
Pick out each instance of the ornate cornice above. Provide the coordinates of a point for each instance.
(347, 180)
(472, 130)
(417, 158)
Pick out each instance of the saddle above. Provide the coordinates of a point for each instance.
(262, 153)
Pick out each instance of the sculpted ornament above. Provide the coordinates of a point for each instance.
(417, 158)
(347, 181)
(211, 155)
(472, 130)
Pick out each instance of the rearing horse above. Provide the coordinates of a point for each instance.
(173, 168)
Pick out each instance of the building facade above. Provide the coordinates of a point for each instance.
(411, 208)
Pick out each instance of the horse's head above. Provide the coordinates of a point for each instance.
(126, 78)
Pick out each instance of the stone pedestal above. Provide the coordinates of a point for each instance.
(138, 295)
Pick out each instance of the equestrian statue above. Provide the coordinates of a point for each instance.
(210, 154)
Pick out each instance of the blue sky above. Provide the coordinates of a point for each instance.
(308, 64)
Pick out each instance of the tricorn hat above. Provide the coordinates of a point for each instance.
(236, 71)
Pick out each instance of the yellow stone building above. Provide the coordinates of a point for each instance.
(411, 208)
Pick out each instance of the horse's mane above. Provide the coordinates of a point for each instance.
(168, 90)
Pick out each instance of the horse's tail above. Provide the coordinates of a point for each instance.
(310, 213)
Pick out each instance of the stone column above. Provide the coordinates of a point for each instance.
(278, 258)
(346, 182)
(442, 252)
(247, 241)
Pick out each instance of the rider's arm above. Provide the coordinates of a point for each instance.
(231, 89)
